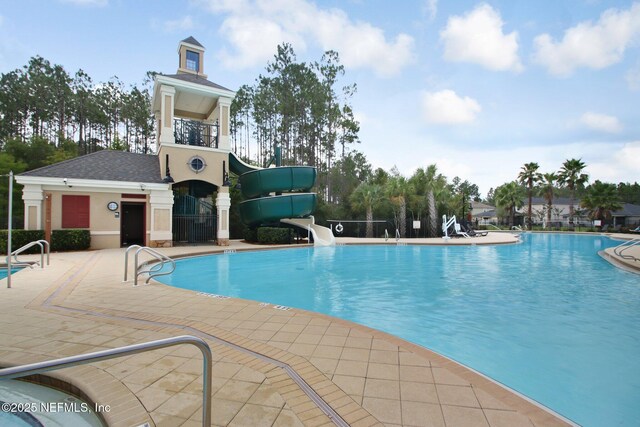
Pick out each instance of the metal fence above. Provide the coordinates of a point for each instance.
(194, 228)
(192, 132)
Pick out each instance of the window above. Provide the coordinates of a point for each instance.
(193, 61)
(75, 211)
(197, 164)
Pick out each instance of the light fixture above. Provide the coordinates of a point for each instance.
(168, 179)
(142, 186)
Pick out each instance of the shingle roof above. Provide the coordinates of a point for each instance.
(627, 210)
(193, 78)
(107, 165)
(192, 41)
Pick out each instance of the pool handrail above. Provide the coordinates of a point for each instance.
(618, 250)
(83, 359)
(42, 243)
(155, 268)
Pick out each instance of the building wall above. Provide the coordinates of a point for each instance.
(104, 224)
(179, 156)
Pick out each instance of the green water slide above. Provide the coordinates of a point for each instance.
(257, 184)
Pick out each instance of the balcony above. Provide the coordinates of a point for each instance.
(192, 132)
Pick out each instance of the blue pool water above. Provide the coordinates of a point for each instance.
(4, 272)
(547, 317)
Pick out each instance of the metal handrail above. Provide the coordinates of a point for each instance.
(41, 243)
(624, 246)
(83, 359)
(126, 260)
(397, 234)
(153, 269)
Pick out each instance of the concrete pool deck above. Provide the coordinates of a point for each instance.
(79, 304)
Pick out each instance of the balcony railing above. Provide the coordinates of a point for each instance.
(192, 132)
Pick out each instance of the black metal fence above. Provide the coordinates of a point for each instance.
(192, 132)
(194, 228)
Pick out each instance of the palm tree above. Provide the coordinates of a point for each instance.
(570, 176)
(367, 196)
(548, 186)
(432, 184)
(601, 199)
(509, 197)
(398, 189)
(529, 176)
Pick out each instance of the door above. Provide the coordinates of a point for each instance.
(132, 224)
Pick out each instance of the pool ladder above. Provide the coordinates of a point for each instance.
(17, 262)
(618, 250)
(154, 270)
(83, 359)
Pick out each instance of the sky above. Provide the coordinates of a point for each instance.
(478, 88)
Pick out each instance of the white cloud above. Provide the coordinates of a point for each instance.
(633, 77)
(446, 107)
(253, 29)
(431, 7)
(592, 45)
(98, 3)
(182, 24)
(601, 122)
(477, 37)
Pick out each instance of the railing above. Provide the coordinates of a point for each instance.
(192, 132)
(618, 250)
(446, 223)
(154, 270)
(397, 234)
(83, 359)
(41, 243)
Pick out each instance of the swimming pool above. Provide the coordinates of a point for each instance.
(547, 317)
(4, 272)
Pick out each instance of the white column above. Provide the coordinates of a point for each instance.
(167, 98)
(161, 202)
(33, 197)
(223, 203)
(224, 108)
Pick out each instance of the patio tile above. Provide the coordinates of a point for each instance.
(349, 384)
(418, 392)
(255, 416)
(386, 410)
(462, 416)
(386, 389)
(422, 414)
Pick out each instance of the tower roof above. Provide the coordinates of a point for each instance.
(192, 41)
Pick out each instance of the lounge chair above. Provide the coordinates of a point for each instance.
(636, 230)
(471, 232)
(457, 231)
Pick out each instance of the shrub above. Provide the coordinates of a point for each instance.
(70, 240)
(251, 235)
(20, 238)
(274, 235)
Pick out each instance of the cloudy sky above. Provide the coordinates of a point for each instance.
(479, 88)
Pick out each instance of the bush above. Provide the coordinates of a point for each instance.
(274, 235)
(19, 238)
(251, 235)
(70, 240)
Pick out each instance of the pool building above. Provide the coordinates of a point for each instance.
(128, 198)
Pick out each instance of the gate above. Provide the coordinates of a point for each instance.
(194, 220)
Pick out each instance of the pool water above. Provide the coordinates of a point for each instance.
(547, 317)
(4, 272)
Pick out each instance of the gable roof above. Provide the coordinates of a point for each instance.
(627, 210)
(192, 41)
(105, 165)
(193, 78)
